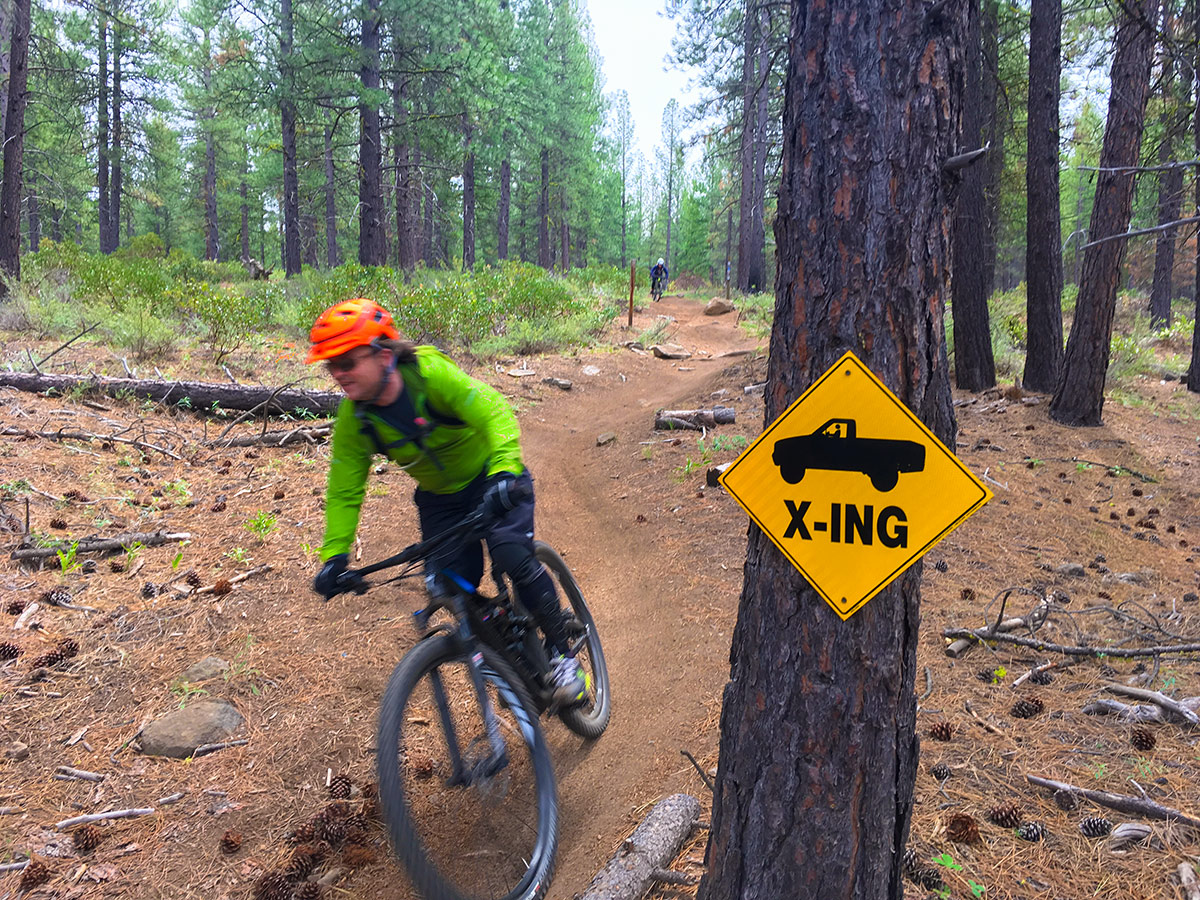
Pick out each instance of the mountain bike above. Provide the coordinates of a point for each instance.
(656, 288)
(465, 777)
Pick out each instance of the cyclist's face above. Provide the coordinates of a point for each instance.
(357, 372)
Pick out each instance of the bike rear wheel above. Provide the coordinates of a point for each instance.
(494, 835)
(590, 718)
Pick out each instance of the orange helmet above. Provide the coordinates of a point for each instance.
(349, 324)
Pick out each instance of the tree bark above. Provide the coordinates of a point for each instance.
(35, 217)
(1170, 186)
(468, 196)
(1079, 396)
(333, 258)
(1043, 241)
(14, 143)
(104, 198)
(212, 237)
(564, 257)
(406, 245)
(504, 210)
(371, 248)
(543, 212)
(994, 132)
(746, 156)
(1193, 373)
(818, 752)
(287, 120)
(115, 184)
(6, 24)
(974, 366)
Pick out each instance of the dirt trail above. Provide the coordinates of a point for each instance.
(665, 672)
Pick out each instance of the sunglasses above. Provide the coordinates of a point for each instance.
(340, 365)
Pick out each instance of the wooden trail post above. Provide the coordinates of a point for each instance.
(632, 271)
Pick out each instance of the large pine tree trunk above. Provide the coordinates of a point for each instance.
(749, 278)
(6, 24)
(244, 206)
(468, 198)
(564, 257)
(543, 213)
(104, 198)
(1170, 187)
(333, 258)
(287, 121)
(14, 143)
(1193, 375)
(994, 135)
(115, 186)
(504, 209)
(35, 215)
(1079, 396)
(406, 248)
(974, 365)
(212, 238)
(818, 751)
(372, 250)
(1043, 235)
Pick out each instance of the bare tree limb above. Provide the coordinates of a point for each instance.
(93, 545)
(101, 817)
(1120, 802)
(61, 435)
(983, 635)
(1140, 231)
(1158, 699)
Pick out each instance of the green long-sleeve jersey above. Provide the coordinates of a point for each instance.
(466, 427)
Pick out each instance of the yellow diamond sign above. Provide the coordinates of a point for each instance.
(851, 486)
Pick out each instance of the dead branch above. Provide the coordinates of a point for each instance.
(280, 438)
(1120, 802)
(1046, 667)
(1091, 462)
(61, 435)
(205, 749)
(982, 636)
(96, 545)
(1174, 707)
(703, 775)
(1030, 622)
(236, 579)
(101, 817)
(650, 849)
(14, 867)
(1136, 714)
(66, 773)
(667, 876)
(693, 419)
(986, 727)
(1188, 881)
(42, 361)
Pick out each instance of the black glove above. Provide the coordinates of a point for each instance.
(502, 495)
(326, 582)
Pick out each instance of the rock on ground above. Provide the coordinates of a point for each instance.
(179, 733)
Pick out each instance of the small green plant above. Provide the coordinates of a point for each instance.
(308, 550)
(241, 667)
(238, 554)
(186, 691)
(178, 489)
(1034, 463)
(977, 889)
(945, 859)
(1082, 467)
(12, 488)
(1099, 770)
(682, 472)
(176, 561)
(261, 524)
(66, 558)
(648, 451)
(131, 553)
(1142, 768)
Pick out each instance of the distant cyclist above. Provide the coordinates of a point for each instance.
(658, 279)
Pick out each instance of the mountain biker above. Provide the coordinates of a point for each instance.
(658, 276)
(456, 436)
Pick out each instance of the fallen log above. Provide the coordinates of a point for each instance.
(280, 438)
(647, 852)
(94, 545)
(1125, 803)
(196, 395)
(1177, 709)
(693, 419)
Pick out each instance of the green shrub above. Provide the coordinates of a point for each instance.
(140, 328)
(228, 317)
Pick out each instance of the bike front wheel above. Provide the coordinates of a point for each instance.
(472, 812)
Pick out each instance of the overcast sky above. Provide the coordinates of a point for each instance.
(633, 38)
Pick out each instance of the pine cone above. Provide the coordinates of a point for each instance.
(940, 771)
(941, 731)
(910, 862)
(116, 566)
(1032, 831)
(317, 851)
(68, 647)
(332, 831)
(193, 578)
(58, 596)
(1095, 826)
(35, 873)
(303, 834)
(149, 590)
(219, 506)
(301, 863)
(74, 494)
(340, 787)
(1042, 677)
(47, 660)
(1143, 739)
(421, 765)
(9, 650)
(231, 842)
(310, 890)
(1108, 671)
(929, 877)
(1066, 800)
(58, 522)
(279, 495)
(988, 676)
(1027, 708)
(16, 607)
(1006, 815)
(356, 855)
(962, 829)
(967, 594)
(87, 838)
(222, 587)
(273, 886)
(941, 566)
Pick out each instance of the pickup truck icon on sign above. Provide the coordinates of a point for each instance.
(836, 447)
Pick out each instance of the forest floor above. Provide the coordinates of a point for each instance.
(659, 556)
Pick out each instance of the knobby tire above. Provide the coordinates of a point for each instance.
(408, 776)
